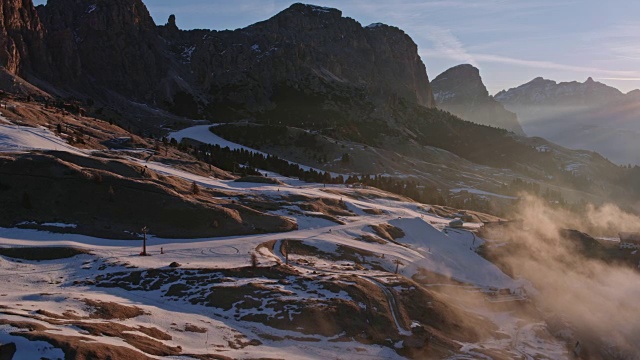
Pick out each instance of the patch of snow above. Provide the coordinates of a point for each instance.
(27, 223)
(187, 53)
(450, 254)
(26, 349)
(572, 167)
(204, 135)
(374, 25)
(61, 225)
(15, 138)
(480, 192)
(322, 9)
(443, 96)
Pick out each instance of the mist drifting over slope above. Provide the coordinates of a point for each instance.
(593, 298)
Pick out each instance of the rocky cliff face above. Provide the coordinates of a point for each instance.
(306, 61)
(21, 36)
(460, 90)
(306, 52)
(105, 44)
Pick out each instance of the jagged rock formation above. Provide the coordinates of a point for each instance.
(541, 91)
(589, 115)
(22, 46)
(460, 90)
(304, 53)
(112, 51)
(21, 36)
(104, 45)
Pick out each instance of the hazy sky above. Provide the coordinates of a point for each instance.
(511, 41)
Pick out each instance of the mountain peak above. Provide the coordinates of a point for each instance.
(464, 66)
(540, 80)
(548, 92)
(376, 25)
(309, 9)
(464, 78)
(635, 93)
(460, 90)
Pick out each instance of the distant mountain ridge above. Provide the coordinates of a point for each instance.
(460, 90)
(540, 91)
(589, 115)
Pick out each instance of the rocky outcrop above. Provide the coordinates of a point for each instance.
(21, 37)
(304, 65)
(7, 351)
(460, 90)
(108, 44)
(305, 55)
(304, 52)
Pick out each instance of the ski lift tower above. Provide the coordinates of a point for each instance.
(144, 241)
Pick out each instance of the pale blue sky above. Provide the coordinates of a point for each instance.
(511, 41)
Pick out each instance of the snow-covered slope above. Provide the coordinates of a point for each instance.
(23, 138)
(212, 301)
(60, 286)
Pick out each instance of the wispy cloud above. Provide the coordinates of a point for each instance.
(551, 65)
(537, 64)
(620, 40)
(620, 78)
(483, 5)
(447, 45)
